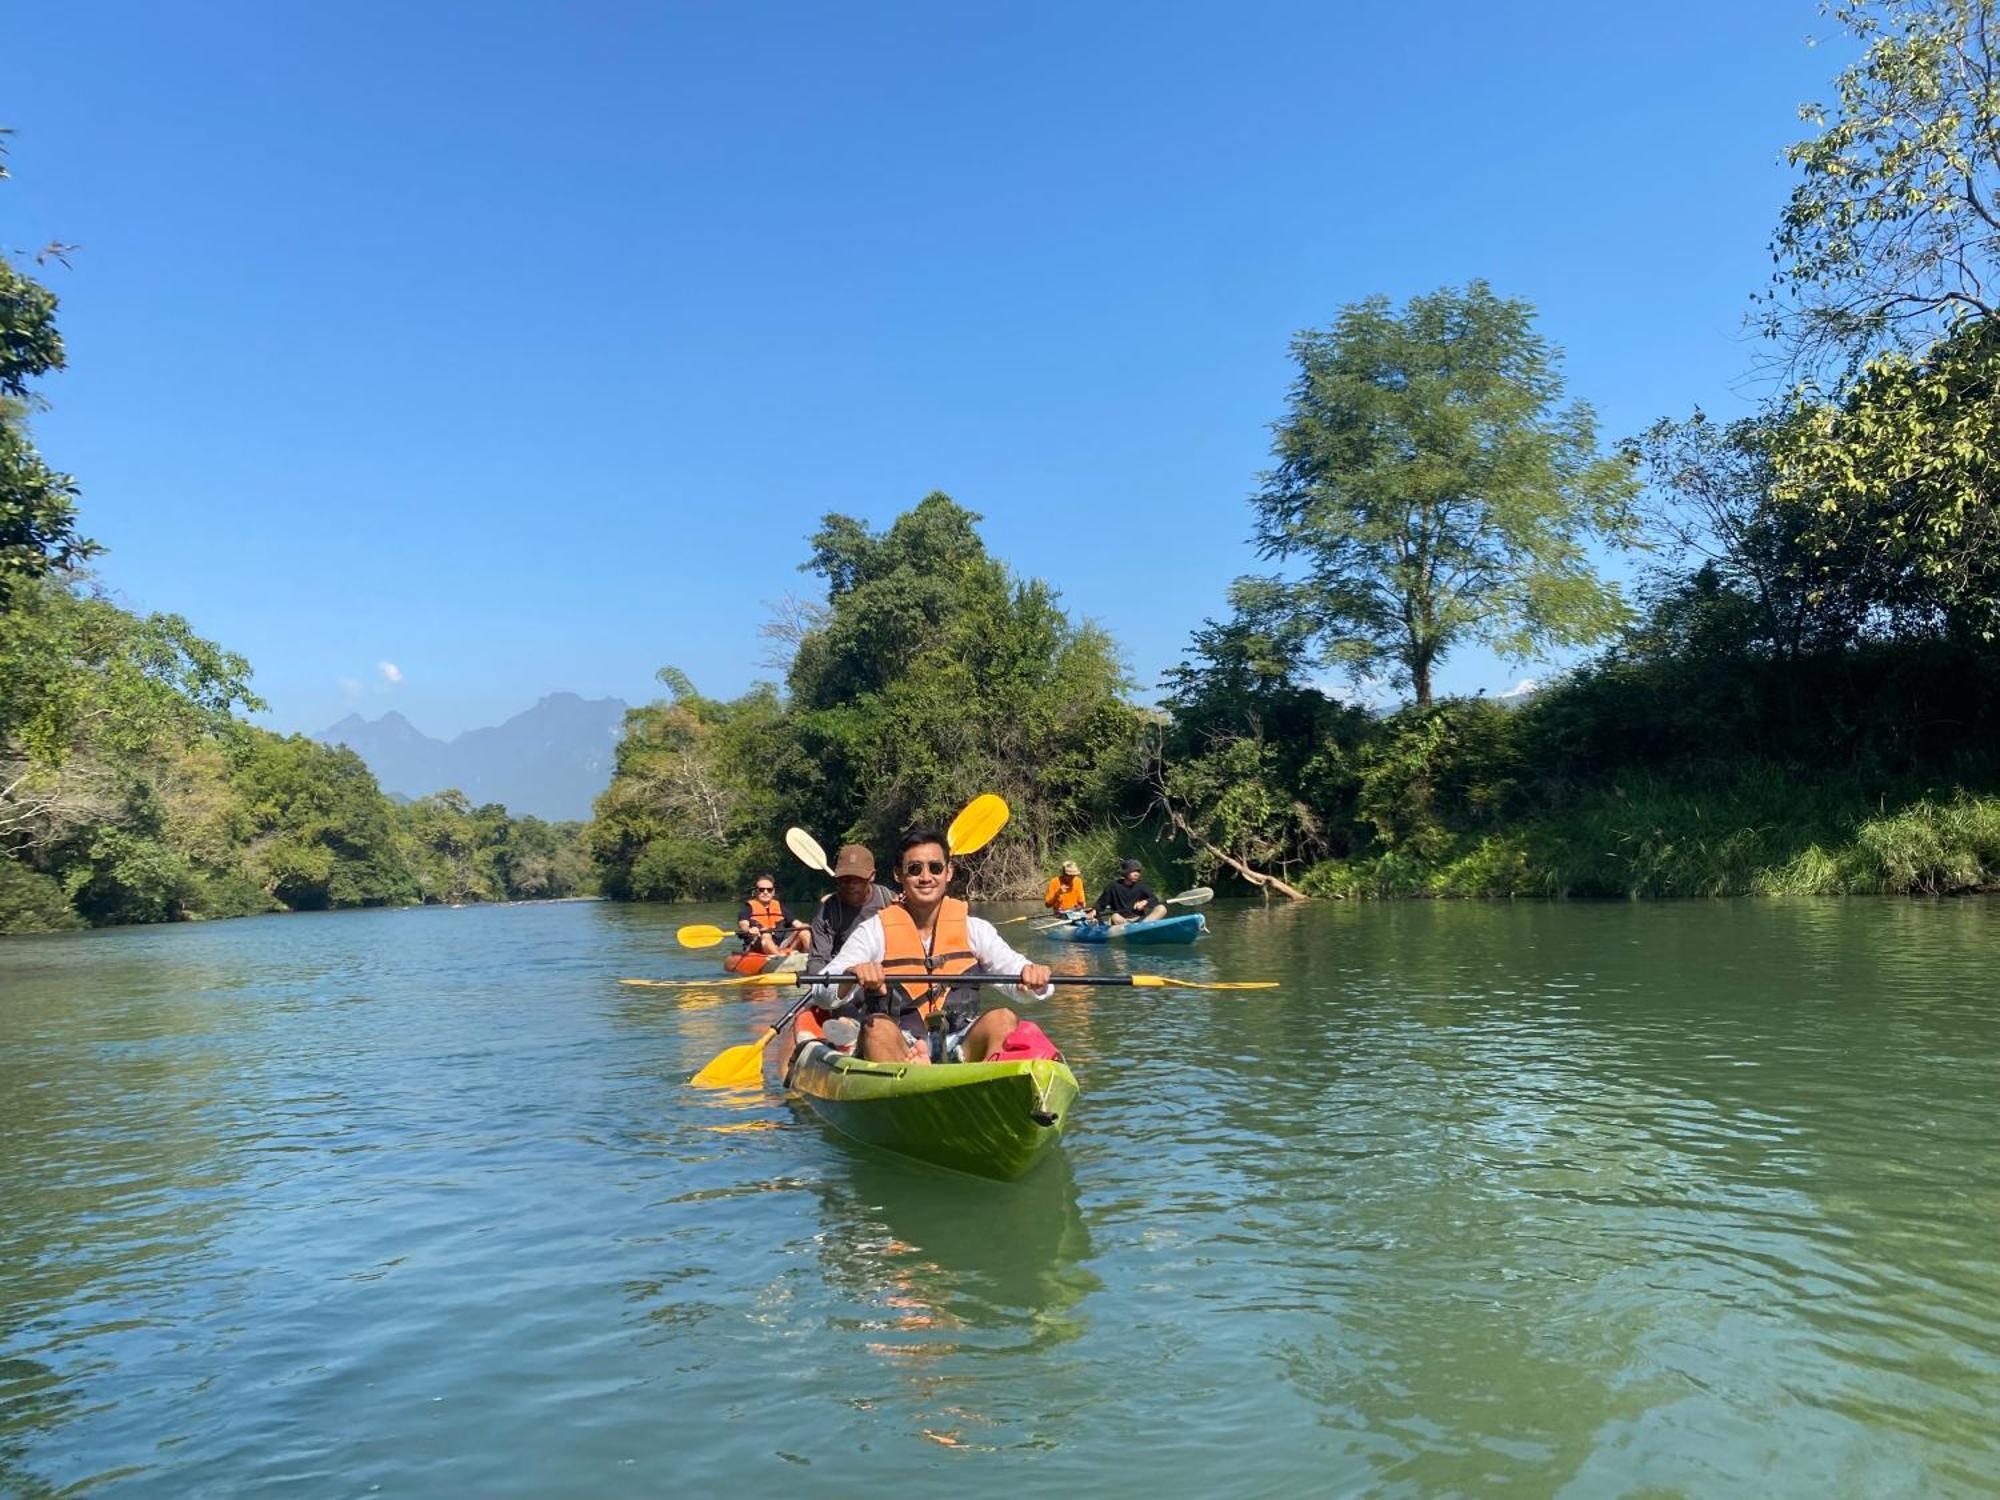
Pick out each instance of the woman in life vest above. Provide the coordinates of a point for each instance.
(904, 957)
(766, 925)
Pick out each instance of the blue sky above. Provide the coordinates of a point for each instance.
(520, 346)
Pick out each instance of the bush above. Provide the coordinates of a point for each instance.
(32, 902)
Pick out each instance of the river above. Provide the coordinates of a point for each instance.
(1488, 1199)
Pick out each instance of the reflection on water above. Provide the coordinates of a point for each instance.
(1495, 1199)
(955, 1265)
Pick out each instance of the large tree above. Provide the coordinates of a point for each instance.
(1892, 236)
(1436, 493)
(935, 674)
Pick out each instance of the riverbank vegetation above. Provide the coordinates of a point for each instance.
(1797, 696)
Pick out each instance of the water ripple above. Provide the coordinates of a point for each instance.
(1487, 1199)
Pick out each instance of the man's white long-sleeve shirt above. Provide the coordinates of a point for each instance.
(867, 945)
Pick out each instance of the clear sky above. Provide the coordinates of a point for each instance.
(521, 345)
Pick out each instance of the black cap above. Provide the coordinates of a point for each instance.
(1127, 866)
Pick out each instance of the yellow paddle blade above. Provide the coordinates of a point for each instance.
(807, 848)
(736, 1068)
(974, 828)
(1157, 982)
(699, 935)
(766, 980)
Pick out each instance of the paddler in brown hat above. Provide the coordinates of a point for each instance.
(856, 897)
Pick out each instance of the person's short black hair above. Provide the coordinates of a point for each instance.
(916, 838)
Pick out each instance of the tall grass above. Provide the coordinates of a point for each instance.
(1762, 833)
(1097, 852)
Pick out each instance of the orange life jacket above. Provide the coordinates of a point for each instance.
(951, 953)
(1065, 893)
(769, 915)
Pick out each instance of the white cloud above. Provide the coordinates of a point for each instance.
(1523, 688)
(390, 671)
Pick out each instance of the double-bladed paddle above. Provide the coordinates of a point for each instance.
(1143, 981)
(741, 1067)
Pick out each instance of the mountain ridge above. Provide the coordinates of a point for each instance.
(549, 761)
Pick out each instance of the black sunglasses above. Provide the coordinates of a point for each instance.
(917, 866)
(765, 890)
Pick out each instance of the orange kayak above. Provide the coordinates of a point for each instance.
(763, 963)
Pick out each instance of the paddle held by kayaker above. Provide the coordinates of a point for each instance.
(856, 897)
(1129, 899)
(766, 925)
(1065, 893)
(900, 953)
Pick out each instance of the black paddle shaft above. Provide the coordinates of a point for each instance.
(949, 980)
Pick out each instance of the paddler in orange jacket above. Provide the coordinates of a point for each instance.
(904, 956)
(1065, 893)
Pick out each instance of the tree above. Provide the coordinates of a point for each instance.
(318, 826)
(936, 675)
(37, 504)
(691, 802)
(87, 694)
(1892, 238)
(1894, 486)
(1763, 580)
(1434, 492)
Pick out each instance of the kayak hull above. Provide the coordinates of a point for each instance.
(1184, 929)
(763, 963)
(989, 1119)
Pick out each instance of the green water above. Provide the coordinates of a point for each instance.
(1695, 1199)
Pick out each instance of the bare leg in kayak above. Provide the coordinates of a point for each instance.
(986, 1035)
(883, 1040)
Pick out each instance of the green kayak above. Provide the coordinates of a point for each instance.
(992, 1119)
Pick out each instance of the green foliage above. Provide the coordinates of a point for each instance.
(77, 672)
(1762, 580)
(1430, 772)
(1099, 849)
(930, 675)
(33, 902)
(458, 853)
(692, 799)
(1895, 490)
(1435, 493)
(318, 827)
(1890, 238)
(936, 676)
(37, 505)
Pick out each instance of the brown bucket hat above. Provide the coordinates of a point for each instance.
(854, 859)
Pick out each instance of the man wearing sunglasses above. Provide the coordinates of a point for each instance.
(904, 955)
(765, 924)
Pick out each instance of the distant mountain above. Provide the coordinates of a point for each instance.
(550, 761)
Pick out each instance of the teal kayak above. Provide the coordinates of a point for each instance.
(991, 1119)
(1167, 930)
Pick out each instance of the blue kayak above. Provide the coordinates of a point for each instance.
(1167, 930)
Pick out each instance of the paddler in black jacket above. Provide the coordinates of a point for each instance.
(856, 898)
(1128, 899)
